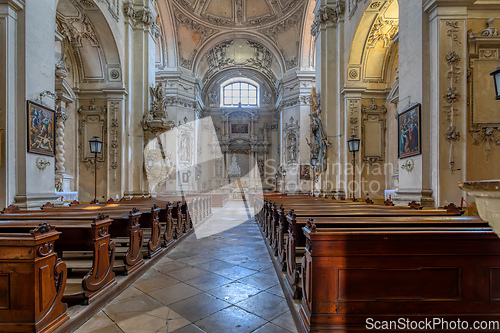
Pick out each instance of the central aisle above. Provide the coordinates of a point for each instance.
(219, 280)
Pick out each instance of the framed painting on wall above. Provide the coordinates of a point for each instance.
(409, 132)
(239, 128)
(305, 172)
(41, 129)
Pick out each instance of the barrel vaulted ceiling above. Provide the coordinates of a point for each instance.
(262, 35)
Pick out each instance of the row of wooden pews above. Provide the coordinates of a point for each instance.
(71, 254)
(348, 261)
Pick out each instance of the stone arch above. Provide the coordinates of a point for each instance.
(253, 37)
(267, 88)
(373, 45)
(168, 32)
(308, 49)
(86, 34)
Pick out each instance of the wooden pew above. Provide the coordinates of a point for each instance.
(176, 210)
(192, 208)
(84, 234)
(352, 274)
(292, 247)
(124, 225)
(277, 222)
(315, 208)
(32, 281)
(149, 219)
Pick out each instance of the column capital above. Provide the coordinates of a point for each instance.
(327, 15)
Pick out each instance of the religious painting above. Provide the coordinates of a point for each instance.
(305, 172)
(185, 177)
(239, 128)
(41, 129)
(409, 132)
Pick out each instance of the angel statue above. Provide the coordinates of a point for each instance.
(158, 105)
(319, 141)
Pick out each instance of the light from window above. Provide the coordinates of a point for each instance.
(240, 92)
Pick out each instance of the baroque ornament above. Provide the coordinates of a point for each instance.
(319, 141)
(383, 30)
(490, 31)
(155, 120)
(452, 95)
(61, 117)
(328, 15)
(138, 16)
(488, 136)
(409, 165)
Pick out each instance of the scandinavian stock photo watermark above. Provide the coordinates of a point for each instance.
(431, 324)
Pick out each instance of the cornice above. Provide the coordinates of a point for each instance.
(430, 5)
(17, 5)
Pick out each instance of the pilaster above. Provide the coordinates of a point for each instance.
(448, 99)
(414, 88)
(328, 30)
(345, 169)
(139, 66)
(10, 48)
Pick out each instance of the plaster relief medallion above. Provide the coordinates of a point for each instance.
(354, 74)
(114, 75)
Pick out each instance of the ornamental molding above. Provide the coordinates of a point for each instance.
(218, 61)
(139, 16)
(383, 30)
(195, 26)
(239, 19)
(93, 120)
(452, 95)
(290, 102)
(204, 31)
(114, 107)
(77, 28)
(329, 15)
(294, 20)
(483, 49)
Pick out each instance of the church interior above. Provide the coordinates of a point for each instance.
(249, 165)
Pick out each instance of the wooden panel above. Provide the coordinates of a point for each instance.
(47, 290)
(4, 292)
(495, 283)
(424, 284)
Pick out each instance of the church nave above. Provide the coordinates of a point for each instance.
(219, 279)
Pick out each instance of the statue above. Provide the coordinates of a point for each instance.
(234, 168)
(158, 105)
(185, 149)
(319, 141)
(292, 148)
(260, 163)
(214, 98)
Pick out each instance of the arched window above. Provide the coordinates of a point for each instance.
(239, 94)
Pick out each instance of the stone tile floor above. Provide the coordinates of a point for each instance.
(219, 280)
